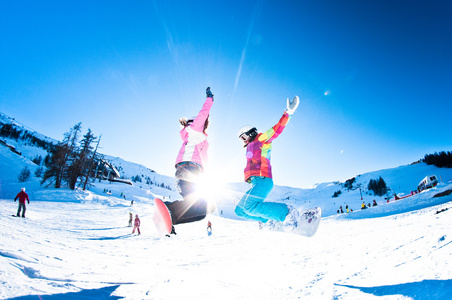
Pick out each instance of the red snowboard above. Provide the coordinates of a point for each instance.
(162, 217)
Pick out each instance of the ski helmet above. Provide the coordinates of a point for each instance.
(246, 133)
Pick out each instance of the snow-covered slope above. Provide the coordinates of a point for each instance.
(76, 244)
(401, 181)
(86, 251)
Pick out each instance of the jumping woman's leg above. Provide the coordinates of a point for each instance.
(252, 205)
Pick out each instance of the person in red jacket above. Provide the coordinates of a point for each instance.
(22, 196)
(136, 225)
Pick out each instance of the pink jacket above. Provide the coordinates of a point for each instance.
(194, 147)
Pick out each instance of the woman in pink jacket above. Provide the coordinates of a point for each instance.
(136, 225)
(190, 164)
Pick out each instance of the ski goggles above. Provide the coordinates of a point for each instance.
(244, 137)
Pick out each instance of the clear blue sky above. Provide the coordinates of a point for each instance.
(374, 78)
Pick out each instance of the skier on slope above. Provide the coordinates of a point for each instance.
(209, 228)
(130, 218)
(190, 164)
(22, 196)
(136, 225)
(258, 174)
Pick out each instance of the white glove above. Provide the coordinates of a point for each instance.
(292, 106)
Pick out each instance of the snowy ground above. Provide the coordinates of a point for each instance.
(70, 250)
(76, 244)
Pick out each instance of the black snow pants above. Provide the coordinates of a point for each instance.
(23, 207)
(192, 208)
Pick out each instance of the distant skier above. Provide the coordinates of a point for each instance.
(136, 224)
(22, 196)
(130, 219)
(258, 174)
(209, 228)
(190, 164)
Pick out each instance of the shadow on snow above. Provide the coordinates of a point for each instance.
(102, 293)
(110, 237)
(426, 289)
(111, 228)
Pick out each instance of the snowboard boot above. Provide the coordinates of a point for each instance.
(291, 221)
(308, 222)
(173, 231)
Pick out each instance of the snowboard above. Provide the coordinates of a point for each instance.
(162, 218)
(15, 216)
(308, 223)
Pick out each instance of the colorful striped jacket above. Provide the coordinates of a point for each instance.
(194, 147)
(258, 151)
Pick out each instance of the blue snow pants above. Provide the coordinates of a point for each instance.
(253, 207)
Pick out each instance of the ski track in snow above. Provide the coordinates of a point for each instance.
(82, 249)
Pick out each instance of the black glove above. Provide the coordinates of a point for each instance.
(209, 93)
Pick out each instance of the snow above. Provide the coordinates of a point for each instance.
(76, 244)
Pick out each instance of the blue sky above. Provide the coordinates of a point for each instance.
(373, 77)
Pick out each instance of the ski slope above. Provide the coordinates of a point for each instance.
(76, 244)
(85, 250)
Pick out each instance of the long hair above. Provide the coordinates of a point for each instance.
(184, 122)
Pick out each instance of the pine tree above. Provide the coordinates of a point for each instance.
(349, 183)
(378, 186)
(337, 193)
(80, 160)
(38, 172)
(92, 165)
(56, 165)
(442, 159)
(24, 175)
(61, 157)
